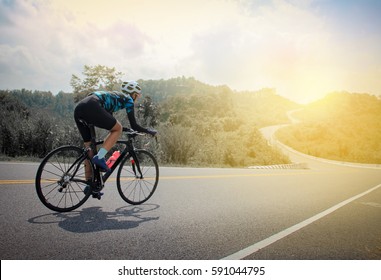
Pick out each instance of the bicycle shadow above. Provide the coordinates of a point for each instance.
(94, 219)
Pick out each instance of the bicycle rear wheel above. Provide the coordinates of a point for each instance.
(61, 180)
(132, 187)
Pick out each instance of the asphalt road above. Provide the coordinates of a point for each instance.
(324, 212)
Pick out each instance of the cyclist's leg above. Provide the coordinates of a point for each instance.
(113, 136)
(88, 170)
(109, 142)
(82, 113)
(107, 121)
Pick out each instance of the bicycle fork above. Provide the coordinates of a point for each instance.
(136, 165)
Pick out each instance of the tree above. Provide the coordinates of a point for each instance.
(97, 77)
(148, 112)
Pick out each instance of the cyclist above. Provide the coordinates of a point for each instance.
(97, 109)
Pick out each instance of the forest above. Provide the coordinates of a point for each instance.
(342, 126)
(198, 124)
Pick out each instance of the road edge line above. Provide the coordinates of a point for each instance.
(274, 238)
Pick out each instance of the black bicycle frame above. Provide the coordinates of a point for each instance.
(129, 149)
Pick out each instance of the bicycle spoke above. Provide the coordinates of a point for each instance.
(58, 179)
(47, 171)
(136, 185)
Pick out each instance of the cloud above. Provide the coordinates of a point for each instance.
(293, 46)
(267, 46)
(41, 47)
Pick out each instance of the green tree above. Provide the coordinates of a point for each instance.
(97, 77)
(148, 112)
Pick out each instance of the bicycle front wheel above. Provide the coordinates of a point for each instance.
(134, 186)
(61, 179)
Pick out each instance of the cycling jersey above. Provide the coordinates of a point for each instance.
(97, 109)
(115, 101)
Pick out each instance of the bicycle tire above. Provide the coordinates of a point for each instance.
(54, 185)
(131, 188)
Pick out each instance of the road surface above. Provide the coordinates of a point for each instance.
(323, 212)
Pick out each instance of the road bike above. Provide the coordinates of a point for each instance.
(64, 184)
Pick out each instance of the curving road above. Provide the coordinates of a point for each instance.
(324, 212)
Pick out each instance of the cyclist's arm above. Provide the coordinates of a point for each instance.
(133, 123)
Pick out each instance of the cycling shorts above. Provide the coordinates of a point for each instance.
(91, 111)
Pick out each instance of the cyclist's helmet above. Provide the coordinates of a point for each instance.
(130, 87)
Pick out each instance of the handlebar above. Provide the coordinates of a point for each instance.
(132, 132)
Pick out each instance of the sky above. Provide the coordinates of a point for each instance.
(302, 48)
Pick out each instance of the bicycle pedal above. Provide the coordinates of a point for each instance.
(97, 195)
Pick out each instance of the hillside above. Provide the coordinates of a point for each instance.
(199, 124)
(342, 126)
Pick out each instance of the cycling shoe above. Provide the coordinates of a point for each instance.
(98, 195)
(100, 163)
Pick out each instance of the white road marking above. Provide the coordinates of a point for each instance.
(272, 239)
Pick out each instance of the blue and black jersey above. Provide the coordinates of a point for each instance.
(115, 101)
(98, 109)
